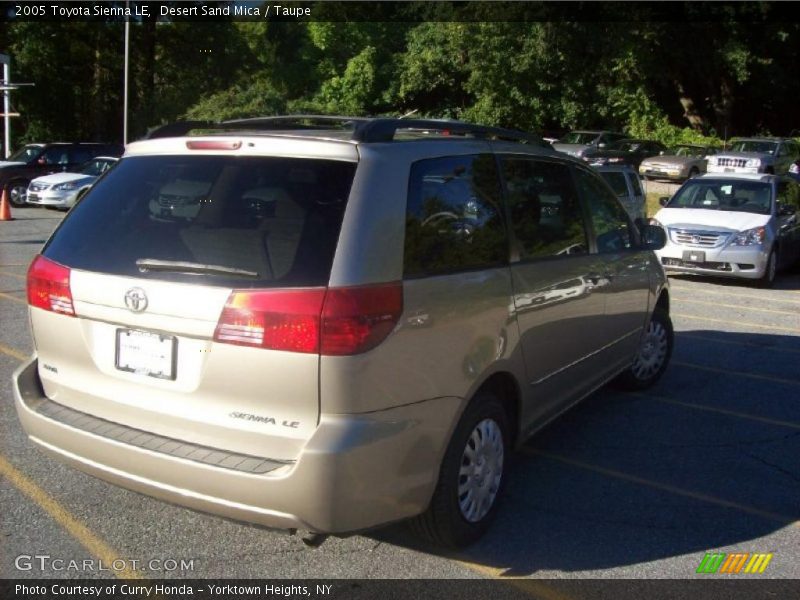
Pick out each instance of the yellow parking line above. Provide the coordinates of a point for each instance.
(722, 411)
(738, 322)
(62, 516)
(5, 296)
(793, 313)
(10, 274)
(739, 373)
(729, 295)
(13, 353)
(531, 586)
(737, 343)
(665, 487)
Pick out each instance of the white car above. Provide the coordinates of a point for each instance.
(732, 225)
(61, 190)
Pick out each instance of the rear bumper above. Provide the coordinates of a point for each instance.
(356, 471)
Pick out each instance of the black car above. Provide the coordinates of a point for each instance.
(625, 152)
(34, 160)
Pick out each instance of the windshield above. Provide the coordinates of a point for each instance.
(579, 137)
(754, 146)
(697, 151)
(728, 195)
(95, 167)
(26, 154)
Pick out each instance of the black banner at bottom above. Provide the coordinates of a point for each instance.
(389, 589)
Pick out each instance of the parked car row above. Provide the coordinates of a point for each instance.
(654, 161)
(34, 160)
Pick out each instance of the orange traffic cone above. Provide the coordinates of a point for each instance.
(5, 208)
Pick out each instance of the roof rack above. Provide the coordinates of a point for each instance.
(365, 129)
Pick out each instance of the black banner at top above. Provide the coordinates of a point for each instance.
(338, 10)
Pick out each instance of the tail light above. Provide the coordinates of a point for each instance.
(333, 322)
(48, 286)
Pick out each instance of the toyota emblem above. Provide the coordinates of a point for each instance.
(695, 239)
(136, 299)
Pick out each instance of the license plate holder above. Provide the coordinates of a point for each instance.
(145, 353)
(696, 256)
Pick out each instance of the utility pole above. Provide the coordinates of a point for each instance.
(7, 87)
(125, 84)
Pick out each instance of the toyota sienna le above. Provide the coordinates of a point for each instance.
(328, 324)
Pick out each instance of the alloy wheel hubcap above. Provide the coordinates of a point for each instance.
(652, 352)
(481, 470)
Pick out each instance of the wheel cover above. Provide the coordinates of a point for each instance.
(481, 470)
(18, 193)
(652, 352)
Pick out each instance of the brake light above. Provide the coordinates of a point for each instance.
(213, 145)
(275, 319)
(48, 286)
(333, 322)
(357, 319)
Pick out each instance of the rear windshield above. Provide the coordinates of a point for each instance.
(253, 221)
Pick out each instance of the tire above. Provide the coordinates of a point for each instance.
(653, 355)
(17, 190)
(471, 478)
(767, 280)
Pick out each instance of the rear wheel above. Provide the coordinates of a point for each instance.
(653, 355)
(471, 477)
(17, 191)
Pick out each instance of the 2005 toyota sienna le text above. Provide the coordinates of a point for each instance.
(330, 325)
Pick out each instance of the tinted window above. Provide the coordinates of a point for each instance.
(543, 208)
(616, 180)
(453, 218)
(55, 155)
(636, 184)
(610, 221)
(81, 154)
(278, 219)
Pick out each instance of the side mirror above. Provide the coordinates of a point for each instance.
(663, 200)
(653, 237)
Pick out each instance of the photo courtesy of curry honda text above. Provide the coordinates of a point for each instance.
(328, 324)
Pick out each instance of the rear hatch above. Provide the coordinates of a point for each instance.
(196, 283)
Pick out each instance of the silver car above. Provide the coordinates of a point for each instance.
(626, 184)
(745, 226)
(62, 190)
(680, 163)
(354, 324)
(756, 155)
(578, 143)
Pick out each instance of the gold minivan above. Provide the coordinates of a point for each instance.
(327, 324)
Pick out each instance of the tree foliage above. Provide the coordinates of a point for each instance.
(674, 81)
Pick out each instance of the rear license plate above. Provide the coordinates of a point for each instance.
(729, 170)
(146, 353)
(694, 256)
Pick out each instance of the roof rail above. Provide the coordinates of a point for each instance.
(365, 129)
(384, 130)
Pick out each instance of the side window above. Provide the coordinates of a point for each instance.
(612, 227)
(80, 154)
(453, 217)
(56, 155)
(544, 209)
(636, 184)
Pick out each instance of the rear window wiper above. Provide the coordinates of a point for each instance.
(179, 266)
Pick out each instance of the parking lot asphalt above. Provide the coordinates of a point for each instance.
(625, 485)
